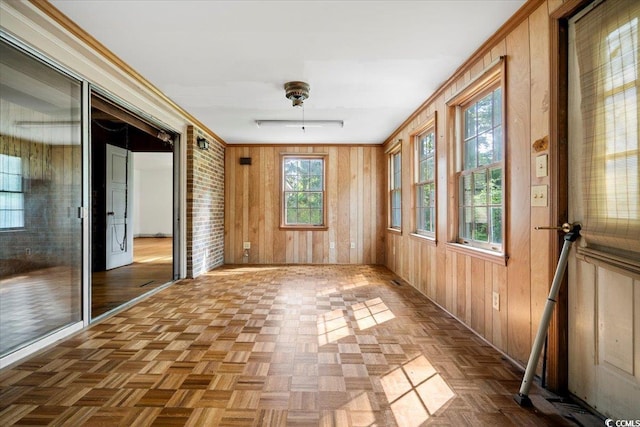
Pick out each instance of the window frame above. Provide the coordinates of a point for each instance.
(5, 189)
(493, 77)
(606, 239)
(393, 153)
(428, 128)
(283, 208)
(606, 101)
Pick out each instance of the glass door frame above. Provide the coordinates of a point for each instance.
(176, 202)
(82, 211)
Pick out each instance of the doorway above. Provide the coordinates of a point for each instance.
(133, 196)
(604, 197)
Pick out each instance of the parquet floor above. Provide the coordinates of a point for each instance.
(37, 302)
(152, 267)
(273, 346)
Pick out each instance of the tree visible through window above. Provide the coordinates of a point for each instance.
(395, 191)
(11, 195)
(481, 180)
(303, 190)
(425, 183)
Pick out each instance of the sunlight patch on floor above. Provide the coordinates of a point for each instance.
(332, 326)
(415, 391)
(371, 313)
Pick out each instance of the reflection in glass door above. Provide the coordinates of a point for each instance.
(40, 192)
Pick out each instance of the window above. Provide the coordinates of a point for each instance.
(395, 189)
(425, 185)
(604, 79)
(481, 180)
(303, 191)
(620, 139)
(11, 195)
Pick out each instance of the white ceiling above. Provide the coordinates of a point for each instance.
(369, 63)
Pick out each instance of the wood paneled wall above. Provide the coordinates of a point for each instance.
(355, 188)
(51, 186)
(461, 281)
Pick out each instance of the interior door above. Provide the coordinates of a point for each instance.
(604, 196)
(119, 204)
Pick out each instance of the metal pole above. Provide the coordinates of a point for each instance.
(523, 395)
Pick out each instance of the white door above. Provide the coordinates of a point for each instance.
(119, 207)
(604, 196)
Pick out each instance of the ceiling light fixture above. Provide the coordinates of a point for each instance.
(297, 92)
(299, 123)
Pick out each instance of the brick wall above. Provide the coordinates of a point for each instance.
(205, 204)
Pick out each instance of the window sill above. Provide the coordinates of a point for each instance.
(304, 227)
(394, 231)
(426, 239)
(494, 257)
(12, 230)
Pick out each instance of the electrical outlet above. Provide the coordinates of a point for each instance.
(353, 245)
(496, 301)
(332, 245)
(27, 251)
(246, 245)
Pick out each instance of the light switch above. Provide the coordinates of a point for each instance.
(539, 195)
(541, 166)
(246, 245)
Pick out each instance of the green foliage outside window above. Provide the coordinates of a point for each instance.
(481, 180)
(303, 191)
(425, 183)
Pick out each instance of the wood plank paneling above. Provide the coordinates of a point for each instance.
(353, 200)
(255, 219)
(501, 318)
(541, 240)
(230, 207)
(518, 111)
(464, 283)
(353, 204)
(332, 196)
(280, 238)
(268, 164)
(477, 295)
(366, 192)
(344, 211)
(488, 301)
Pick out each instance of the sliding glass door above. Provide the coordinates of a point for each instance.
(40, 193)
